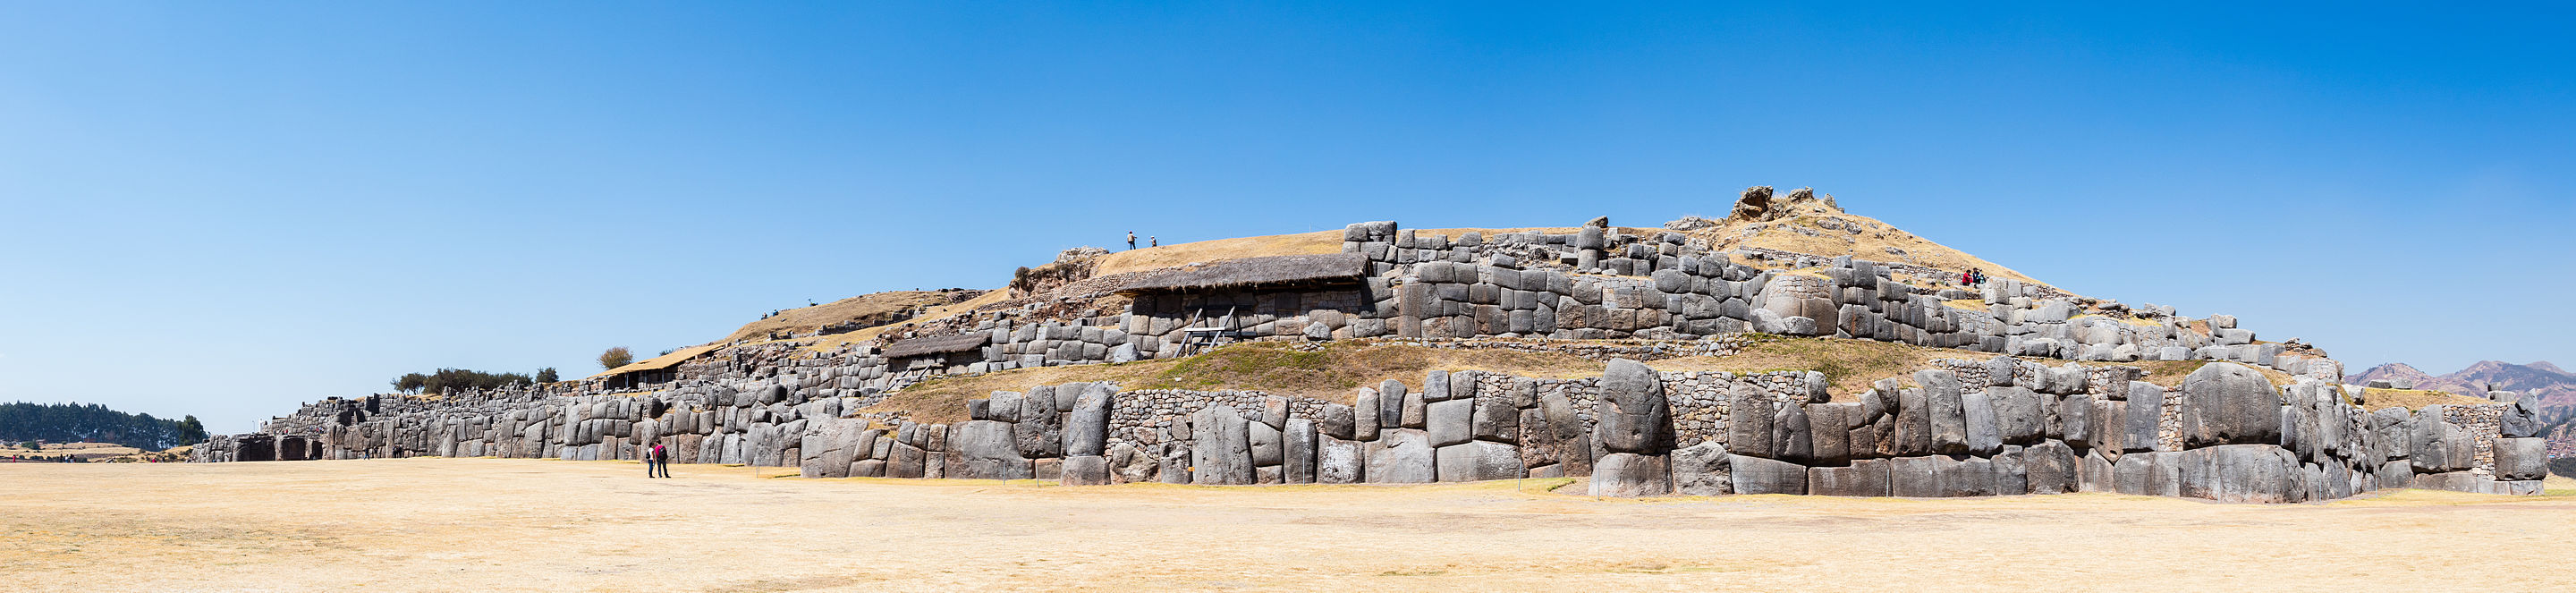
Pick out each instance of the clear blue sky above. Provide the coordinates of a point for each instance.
(224, 209)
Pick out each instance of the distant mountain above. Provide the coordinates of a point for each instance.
(2555, 388)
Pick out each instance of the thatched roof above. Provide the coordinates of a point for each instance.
(938, 345)
(1256, 272)
(660, 362)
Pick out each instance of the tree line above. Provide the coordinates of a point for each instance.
(93, 423)
(463, 379)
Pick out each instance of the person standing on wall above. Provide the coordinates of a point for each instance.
(1131, 240)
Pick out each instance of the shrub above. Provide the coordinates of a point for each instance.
(458, 379)
(616, 357)
(547, 375)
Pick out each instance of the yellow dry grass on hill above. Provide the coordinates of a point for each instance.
(1152, 258)
(1871, 244)
(872, 306)
(2376, 398)
(834, 341)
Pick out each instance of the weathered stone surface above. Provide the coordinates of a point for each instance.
(2438, 446)
(2240, 473)
(2075, 421)
(2012, 472)
(1391, 396)
(1830, 432)
(1040, 429)
(2225, 403)
(1748, 419)
(1086, 430)
(2018, 418)
(986, 450)
(1702, 470)
(2145, 416)
(2050, 467)
(1558, 438)
(1634, 416)
(1475, 461)
(1755, 475)
(1963, 476)
(1337, 421)
(1176, 464)
(1914, 477)
(2521, 459)
(1221, 450)
(1946, 409)
(1085, 470)
(1984, 436)
(1339, 461)
(1400, 456)
(1865, 477)
(1365, 421)
(2522, 418)
(1129, 464)
(1297, 446)
(1267, 450)
(1791, 432)
(1497, 421)
(2396, 473)
(1631, 474)
(1450, 422)
(1913, 425)
(2094, 472)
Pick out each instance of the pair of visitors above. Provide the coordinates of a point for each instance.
(657, 462)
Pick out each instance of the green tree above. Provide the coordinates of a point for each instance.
(616, 357)
(547, 375)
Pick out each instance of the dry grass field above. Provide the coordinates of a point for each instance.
(527, 525)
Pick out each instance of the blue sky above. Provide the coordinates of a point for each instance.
(224, 209)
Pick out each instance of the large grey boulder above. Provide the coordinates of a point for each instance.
(1755, 475)
(1496, 420)
(1176, 459)
(1946, 409)
(2012, 471)
(1865, 477)
(2075, 421)
(1391, 396)
(1913, 434)
(1298, 446)
(1221, 448)
(1086, 430)
(2050, 467)
(1040, 429)
(1476, 461)
(984, 450)
(1702, 470)
(2225, 403)
(1450, 422)
(1267, 450)
(2018, 417)
(1829, 441)
(1337, 422)
(2146, 416)
(1631, 474)
(1634, 416)
(1791, 432)
(1365, 421)
(1984, 437)
(1339, 461)
(1558, 437)
(1400, 456)
(1129, 464)
(2437, 445)
(1748, 422)
(2522, 458)
(2241, 473)
(1914, 477)
(1084, 470)
(2521, 418)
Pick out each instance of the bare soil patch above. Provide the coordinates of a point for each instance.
(531, 525)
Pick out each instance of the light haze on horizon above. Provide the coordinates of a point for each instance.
(224, 209)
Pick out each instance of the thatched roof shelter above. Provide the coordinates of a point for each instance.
(938, 345)
(1280, 271)
(662, 362)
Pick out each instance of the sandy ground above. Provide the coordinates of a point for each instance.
(487, 524)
